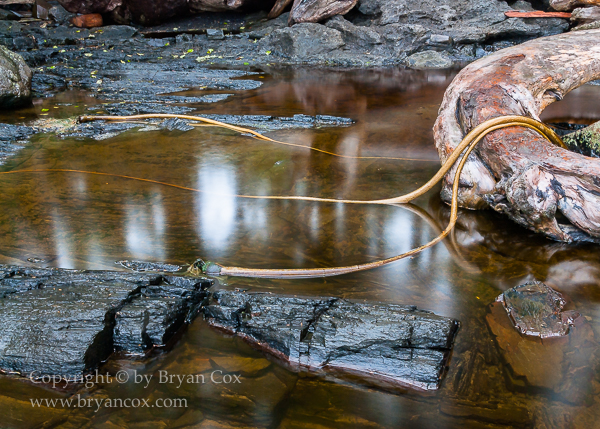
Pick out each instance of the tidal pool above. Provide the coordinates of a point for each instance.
(494, 379)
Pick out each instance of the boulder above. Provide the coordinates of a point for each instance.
(353, 34)
(303, 40)
(15, 79)
(585, 15)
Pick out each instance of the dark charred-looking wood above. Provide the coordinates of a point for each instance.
(66, 322)
(385, 344)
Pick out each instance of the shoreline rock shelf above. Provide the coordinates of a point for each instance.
(386, 344)
(67, 322)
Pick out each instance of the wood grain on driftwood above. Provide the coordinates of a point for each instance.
(515, 171)
(318, 10)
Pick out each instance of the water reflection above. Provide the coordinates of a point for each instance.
(85, 221)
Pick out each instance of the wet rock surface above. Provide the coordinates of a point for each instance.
(142, 266)
(563, 366)
(15, 79)
(13, 138)
(393, 344)
(67, 322)
(536, 310)
(373, 33)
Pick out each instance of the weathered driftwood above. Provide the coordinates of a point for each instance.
(278, 8)
(568, 5)
(516, 171)
(318, 10)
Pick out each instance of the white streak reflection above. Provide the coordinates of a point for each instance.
(217, 207)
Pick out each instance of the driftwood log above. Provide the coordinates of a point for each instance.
(318, 10)
(514, 170)
(568, 5)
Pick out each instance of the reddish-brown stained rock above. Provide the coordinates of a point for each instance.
(89, 20)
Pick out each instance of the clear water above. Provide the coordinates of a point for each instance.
(75, 220)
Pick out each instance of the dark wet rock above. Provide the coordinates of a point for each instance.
(90, 6)
(156, 313)
(303, 40)
(142, 266)
(585, 141)
(125, 109)
(464, 21)
(66, 322)
(215, 34)
(391, 343)
(175, 124)
(115, 33)
(13, 138)
(44, 84)
(360, 36)
(96, 130)
(60, 14)
(15, 79)
(378, 32)
(282, 122)
(429, 60)
(536, 309)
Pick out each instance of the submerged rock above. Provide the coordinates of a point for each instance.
(388, 343)
(559, 351)
(66, 322)
(141, 266)
(429, 60)
(15, 79)
(536, 309)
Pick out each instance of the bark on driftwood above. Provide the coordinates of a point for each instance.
(318, 10)
(568, 5)
(515, 171)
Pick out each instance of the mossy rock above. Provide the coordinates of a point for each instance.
(585, 141)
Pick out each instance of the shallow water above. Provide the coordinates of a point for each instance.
(77, 220)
